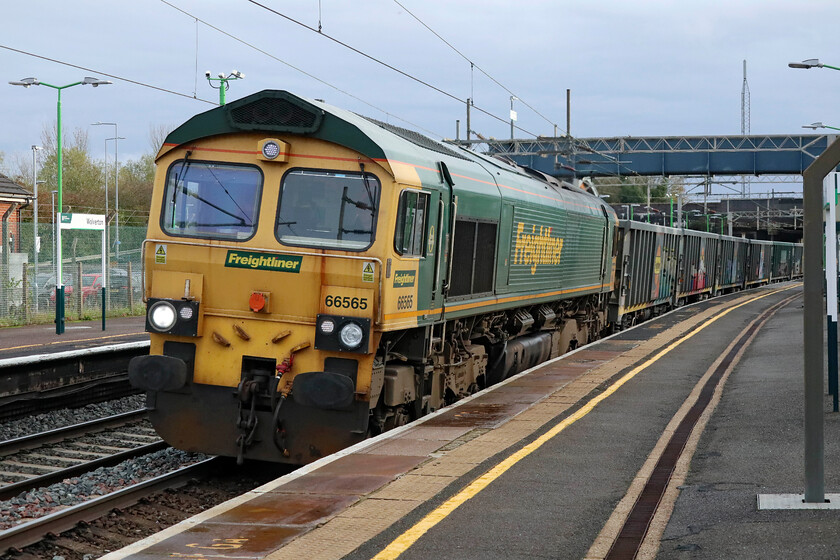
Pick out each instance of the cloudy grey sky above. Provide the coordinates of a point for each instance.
(641, 67)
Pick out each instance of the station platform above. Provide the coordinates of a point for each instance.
(653, 443)
(16, 342)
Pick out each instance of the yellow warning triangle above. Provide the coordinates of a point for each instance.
(161, 250)
(368, 267)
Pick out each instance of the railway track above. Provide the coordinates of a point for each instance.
(33, 464)
(42, 459)
(33, 531)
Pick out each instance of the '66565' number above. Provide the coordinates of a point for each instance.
(405, 302)
(346, 302)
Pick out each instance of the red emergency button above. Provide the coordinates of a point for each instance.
(256, 302)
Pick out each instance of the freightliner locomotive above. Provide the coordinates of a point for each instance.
(313, 276)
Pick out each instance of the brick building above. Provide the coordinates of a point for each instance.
(13, 198)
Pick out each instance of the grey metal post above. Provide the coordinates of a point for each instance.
(729, 219)
(812, 191)
(55, 266)
(830, 193)
(35, 220)
(679, 211)
(512, 119)
(469, 130)
(568, 112)
(117, 188)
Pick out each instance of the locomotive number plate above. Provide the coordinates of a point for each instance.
(346, 301)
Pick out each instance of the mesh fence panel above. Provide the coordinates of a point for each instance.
(28, 279)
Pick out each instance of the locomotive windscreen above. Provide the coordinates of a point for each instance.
(211, 200)
(327, 209)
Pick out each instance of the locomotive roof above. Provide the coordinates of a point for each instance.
(275, 112)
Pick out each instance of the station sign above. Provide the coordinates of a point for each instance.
(81, 221)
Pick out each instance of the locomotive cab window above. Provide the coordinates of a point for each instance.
(327, 209)
(211, 200)
(412, 215)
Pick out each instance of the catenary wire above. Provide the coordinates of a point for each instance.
(100, 73)
(382, 63)
(293, 67)
(473, 64)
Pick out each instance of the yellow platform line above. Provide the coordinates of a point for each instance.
(407, 539)
(69, 341)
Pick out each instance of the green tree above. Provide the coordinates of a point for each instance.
(633, 190)
(82, 177)
(136, 180)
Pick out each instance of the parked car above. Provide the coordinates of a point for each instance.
(91, 288)
(46, 291)
(119, 286)
(91, 284)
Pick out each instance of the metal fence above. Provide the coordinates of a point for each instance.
(28, 277)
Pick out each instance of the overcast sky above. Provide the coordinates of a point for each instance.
(637, 68)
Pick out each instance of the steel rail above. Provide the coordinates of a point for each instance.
(43, 438)
(9, 491)
(63, 520)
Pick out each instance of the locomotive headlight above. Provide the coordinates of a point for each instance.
(271, 150)
(162, 316)
(351, 335)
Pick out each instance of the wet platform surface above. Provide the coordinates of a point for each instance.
(556, 502)
(31, 340)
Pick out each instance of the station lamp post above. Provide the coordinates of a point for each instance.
(116, 140)
(811, 63)
(817, 125)
(59, 280)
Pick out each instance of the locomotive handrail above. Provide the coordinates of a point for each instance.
(275, 251)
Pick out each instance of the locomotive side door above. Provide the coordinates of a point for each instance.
(444, 211)
(436, 232)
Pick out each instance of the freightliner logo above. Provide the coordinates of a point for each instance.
(404, 278)
(263, 261)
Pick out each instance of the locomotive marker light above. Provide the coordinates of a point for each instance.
(270, 149)
(59, 288)
(186, 313)
(274, 150)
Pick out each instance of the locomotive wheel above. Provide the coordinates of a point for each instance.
(400, 417)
